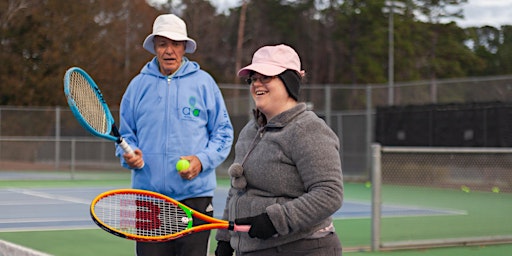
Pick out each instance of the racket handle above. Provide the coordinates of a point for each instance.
(128, 149)
(241, 228)
(125, 146)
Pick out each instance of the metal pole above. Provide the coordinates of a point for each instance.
(391, 61)
(369, 130)
(376, 196)
(57, 138)
(73, 152)
(0, 133)
(327, 107)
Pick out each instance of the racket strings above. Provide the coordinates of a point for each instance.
(141, 215)
(88, 103)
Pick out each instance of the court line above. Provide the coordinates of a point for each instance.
(352, 209)
(33, 220)
(51, 196)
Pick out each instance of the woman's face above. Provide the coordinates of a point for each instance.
(169, 54)
(270, 95)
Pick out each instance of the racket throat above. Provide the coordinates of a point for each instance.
(116, 134)
(231, 225)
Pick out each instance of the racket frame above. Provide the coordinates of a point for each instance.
(111, 126)
(213, 223)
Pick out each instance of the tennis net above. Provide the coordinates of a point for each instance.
(11, 249)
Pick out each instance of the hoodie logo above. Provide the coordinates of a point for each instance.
(191, 110)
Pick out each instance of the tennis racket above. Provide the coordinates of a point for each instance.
(148, 216)
(90, 108)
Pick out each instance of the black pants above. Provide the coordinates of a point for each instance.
(191, 245)
(329, 245)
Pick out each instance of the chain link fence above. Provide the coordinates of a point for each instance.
(442, 196)
(439, 196)
(50, 138)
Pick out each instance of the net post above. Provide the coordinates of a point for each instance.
(376, 196)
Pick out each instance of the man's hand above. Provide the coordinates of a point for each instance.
(135, 161)
(193, 170)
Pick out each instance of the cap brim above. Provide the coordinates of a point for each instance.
(150, 46)
(264, 69)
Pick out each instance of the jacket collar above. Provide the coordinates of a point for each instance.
(287, 116)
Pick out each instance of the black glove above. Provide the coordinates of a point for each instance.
(223, 249)
(261, 226)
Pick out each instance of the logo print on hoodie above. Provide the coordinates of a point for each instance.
(191, 110)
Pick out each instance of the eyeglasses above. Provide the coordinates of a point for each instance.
(263, 79)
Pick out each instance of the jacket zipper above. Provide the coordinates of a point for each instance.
(167, 91)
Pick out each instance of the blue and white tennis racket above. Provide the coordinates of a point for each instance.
(90, 108)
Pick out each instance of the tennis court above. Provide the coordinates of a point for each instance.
(55, 218)
(68, 208)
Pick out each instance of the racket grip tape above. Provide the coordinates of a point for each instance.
(125, 146)
(238, 228)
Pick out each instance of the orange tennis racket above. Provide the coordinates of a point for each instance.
(148, 216)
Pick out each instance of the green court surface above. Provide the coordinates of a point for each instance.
(97, 242)
(355, 233)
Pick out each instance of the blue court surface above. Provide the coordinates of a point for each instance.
(68, 208)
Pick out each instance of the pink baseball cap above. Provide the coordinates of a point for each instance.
(272, 60)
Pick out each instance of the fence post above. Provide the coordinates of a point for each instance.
(73, 152)
(369, 130)
(328, 105)
(376, 196)
(57, 138)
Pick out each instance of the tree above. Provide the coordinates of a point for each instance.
(504, 53)
(339, 42)
(47, 37)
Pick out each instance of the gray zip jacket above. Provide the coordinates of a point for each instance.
(290, 168)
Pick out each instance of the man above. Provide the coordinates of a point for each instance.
(173, 110)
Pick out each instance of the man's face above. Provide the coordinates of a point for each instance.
(169, 54)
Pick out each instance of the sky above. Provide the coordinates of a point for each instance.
(476, 12)
(487, 12)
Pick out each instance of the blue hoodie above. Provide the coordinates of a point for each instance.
(172, 116)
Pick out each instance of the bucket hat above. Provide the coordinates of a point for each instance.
(172, 27)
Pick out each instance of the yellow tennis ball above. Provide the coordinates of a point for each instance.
(465, 188)
(495, 189)
(182, 164)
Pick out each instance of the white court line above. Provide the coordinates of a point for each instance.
(36, 220)
(48, 228)
(15, 203)
(50, 196)
(44, 198)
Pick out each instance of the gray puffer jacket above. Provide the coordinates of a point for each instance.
(290, 168)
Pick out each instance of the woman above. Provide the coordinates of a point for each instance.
(286, 179)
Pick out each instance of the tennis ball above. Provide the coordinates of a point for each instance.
(465, 188)
(495, 189)
(182, 164)
(368, 184)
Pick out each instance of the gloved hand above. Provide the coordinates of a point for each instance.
(223, 249)
(261, 226)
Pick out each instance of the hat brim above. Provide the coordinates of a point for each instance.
(262, 68)
(150, 46)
